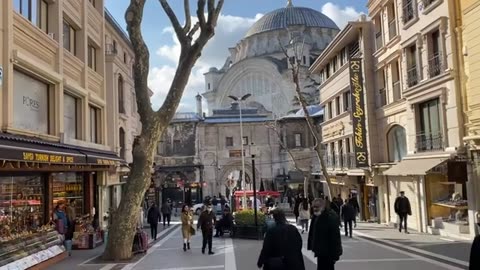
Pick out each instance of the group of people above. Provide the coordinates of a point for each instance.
(282, 246)
(154, 216)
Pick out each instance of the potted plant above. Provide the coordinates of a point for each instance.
(245, 225)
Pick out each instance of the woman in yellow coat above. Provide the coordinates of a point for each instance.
(187, 226)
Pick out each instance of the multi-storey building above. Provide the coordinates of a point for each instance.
(349, 130)
(121, 110)
(469, 11)
(58, 99)
(418, 114)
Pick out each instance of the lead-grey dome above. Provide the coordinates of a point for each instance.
(290, 16)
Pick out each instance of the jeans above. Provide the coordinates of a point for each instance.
(325, 264)
(153, 230)
(207, 239)
(166, 218)
(403, 219)
(348, 231)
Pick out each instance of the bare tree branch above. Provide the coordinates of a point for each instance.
(201, 14)
(179, 30)
(192, 31)
(134, 17)
(188, 17)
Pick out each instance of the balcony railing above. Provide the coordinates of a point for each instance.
(382, 98)
(412, 76)
(408, 11)
(397, 91)
(429, 142)
(435, 66)
(110, 49)
(379, 40)
(392, 29)
(344, 161)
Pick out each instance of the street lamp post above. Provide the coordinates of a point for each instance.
(253, 153)
(239, 100)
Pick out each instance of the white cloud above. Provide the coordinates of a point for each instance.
(230, 29)
(340, 16)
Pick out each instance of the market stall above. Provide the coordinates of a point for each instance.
(85, 235)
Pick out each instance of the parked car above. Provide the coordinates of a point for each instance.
(197, 208)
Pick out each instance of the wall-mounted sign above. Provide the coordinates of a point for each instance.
(358, 113)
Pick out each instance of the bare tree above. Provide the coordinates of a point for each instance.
(192, 38)
(295, 63)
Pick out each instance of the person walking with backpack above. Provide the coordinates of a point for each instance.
(348, 214)
(282, 247)
(167, 213)
(153, 217)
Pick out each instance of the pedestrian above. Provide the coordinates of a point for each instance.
(348, 215)
(71, 216)
(187, 226)
(324, 236)
(353, 200)
(474, 254)
(282, 246)
(403, 210)
(167, 213)
(60, 218)
(153, 217)
(304, 215)
(296, 209)
(206, 222)
(223, 202)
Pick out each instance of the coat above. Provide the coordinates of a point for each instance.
(153, 216)
(166, 209)
(348, 212)
(206, 221)
(402, 206)
(283, 240)
(324, 236)
(187, 223)
(474, 254)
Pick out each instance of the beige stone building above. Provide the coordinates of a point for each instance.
(419, 115)
(351, 152)
(469, 55)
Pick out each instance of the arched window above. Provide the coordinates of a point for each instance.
(121, 107)
(397, 143)
(121, 138)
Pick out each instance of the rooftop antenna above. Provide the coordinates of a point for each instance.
(289, 3)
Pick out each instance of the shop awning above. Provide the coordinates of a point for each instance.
(101, 157)
(414, 166)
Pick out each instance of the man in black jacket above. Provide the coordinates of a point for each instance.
(403, 209)
(324, 236)
(153, 217)
(348, 215)
(206, 222)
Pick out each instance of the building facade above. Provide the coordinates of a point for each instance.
(349, 128)
(469, 11)
(257, 65)
(419, 112)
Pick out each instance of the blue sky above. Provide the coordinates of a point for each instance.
(237, 17)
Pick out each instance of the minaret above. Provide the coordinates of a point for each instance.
(199, 105)
(289, 3)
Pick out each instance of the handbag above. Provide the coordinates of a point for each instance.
(192, 230)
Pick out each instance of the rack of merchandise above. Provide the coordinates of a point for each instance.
(69, 187)
(85, 236)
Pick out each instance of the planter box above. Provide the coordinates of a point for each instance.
(248, 232)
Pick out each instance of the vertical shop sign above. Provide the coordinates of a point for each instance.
(358, 113)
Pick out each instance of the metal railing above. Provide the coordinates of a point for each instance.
(431, 141)
(110, 49)
(379, 40)
(392, 29)
(408, 11)
(435, 66)
(412, 76)
(382, 98)
(397, 91)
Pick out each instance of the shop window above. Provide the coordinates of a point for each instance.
(71, 116)
(121, 99)
(397, 143)
(92, 57)
(94, 124)
(68, 188)
(31, 103)
(22, 200)
(229, 141)
(69, 38)
(36, 11)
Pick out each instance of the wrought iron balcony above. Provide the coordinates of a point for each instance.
(408, 11)
(429, 142)
(397, 91)
(412, 76)
(379, 40)
(110, 49)
(392, 29)
(435, 66)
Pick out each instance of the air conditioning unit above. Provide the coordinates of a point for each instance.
(51, 35)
